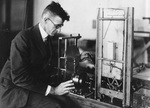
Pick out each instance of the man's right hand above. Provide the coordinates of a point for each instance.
(63, 88)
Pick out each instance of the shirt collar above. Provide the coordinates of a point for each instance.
(43, 33)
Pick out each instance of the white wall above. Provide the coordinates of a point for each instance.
(83, 12)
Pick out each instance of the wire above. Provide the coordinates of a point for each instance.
(107, 28)
(112, 65)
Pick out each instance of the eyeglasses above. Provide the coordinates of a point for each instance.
(57, 26)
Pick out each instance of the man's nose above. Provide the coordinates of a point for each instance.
(58, 30)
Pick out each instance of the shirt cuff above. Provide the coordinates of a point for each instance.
(48, 90)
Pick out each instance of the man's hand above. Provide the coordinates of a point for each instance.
(63, 88)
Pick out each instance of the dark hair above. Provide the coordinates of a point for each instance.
(56, 9)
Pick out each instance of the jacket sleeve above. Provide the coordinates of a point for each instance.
(20, 67)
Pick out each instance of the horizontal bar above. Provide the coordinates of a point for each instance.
(119, 61)
(77, 37)
(112, 93)
(121, 19)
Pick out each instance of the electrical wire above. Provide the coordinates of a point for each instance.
(107, 29)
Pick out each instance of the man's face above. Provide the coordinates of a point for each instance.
(53, 25)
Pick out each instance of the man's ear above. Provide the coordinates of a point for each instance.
(45, 19)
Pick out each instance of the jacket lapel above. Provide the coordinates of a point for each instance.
(38, 40)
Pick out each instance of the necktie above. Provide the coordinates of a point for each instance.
(47, 45)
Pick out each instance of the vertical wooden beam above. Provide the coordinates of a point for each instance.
(130, 29)
(99, 53)
(5, 6)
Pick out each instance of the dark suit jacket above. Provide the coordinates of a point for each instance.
(26, 70)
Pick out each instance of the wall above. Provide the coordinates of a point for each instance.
(84, 13)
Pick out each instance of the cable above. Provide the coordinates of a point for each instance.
(107, 30)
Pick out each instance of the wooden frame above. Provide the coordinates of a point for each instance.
(126, 16)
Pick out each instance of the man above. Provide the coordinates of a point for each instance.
(25, 80)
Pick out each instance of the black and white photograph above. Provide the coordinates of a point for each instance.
(74, 53)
